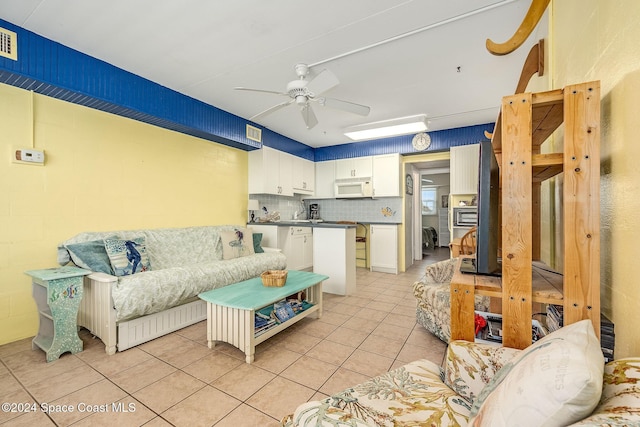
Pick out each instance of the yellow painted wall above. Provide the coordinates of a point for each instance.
(102, 172)
(598, 40)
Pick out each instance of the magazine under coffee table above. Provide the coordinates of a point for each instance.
(231, 309)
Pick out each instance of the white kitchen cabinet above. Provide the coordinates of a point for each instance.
(325, 179)
(305, 242)
(296, 243)
(386, 175)
(356, 167)
(304, 176)
(270, 172)
(270, 236)
(298, 247)
(464, 169)
(384, 248)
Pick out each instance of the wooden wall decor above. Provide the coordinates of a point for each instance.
(532, 65)
(531, 19)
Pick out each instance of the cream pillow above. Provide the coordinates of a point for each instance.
(237, 243)
(554, 382)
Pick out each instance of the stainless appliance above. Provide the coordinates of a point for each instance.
(465, 216)
(353, 188)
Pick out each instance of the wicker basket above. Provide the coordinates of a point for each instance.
(274, 278)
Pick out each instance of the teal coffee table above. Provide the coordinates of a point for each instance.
(231, 310)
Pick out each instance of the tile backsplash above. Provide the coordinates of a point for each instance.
(383, 210)
(287, 206)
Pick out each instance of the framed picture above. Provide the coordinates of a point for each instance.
(445, 201)
(409, 184)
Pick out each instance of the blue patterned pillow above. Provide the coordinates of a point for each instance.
(127, 256)
(237, 243)
(90, 255)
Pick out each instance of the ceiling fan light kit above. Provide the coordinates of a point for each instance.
(385, 128)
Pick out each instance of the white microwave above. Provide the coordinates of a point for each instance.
(353, 188)
(465, 216)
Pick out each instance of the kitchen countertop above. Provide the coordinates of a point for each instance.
(322, 224)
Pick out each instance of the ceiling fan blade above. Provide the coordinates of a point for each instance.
(261, 90)
(322, 82)
(308, 116)
(271, 109)
(350, 107)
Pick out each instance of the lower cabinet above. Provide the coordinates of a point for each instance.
(384, 248)
(296, 243)
(298, 248)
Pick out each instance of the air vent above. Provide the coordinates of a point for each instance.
(254, 134)
(8, 44)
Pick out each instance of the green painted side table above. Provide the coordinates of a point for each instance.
(57, 293)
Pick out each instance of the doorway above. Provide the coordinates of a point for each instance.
(434, 210)
(433, 168)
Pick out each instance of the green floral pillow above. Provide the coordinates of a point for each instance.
(127, 256)
(237, 243)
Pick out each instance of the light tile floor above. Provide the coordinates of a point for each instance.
(177, 380)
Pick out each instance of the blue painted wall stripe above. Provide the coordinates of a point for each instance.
(51, 69)
(441, 140)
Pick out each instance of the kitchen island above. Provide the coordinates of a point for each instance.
(334, 249)
(334, 254)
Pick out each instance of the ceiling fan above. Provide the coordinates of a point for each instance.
(302, 92)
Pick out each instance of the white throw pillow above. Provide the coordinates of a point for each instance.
(554, 382)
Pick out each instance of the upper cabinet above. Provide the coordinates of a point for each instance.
(276, 172)
(270, 172)
(304, 176)
(464, 169)
(325, 178)
(356, 167)
(386, 175)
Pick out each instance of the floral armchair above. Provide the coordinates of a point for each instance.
(433, 294)
(560, 380)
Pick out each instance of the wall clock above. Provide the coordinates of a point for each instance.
(421, 141)
(409, 184)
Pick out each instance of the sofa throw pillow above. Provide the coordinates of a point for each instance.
(257, 243)
(91, 255)
(237, 243)
(554, 382)
(127, 256)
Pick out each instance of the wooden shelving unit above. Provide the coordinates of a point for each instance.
(526, 121)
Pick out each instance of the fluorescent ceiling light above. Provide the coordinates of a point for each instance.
(393, 127)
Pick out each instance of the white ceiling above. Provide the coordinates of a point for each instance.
(206, 48)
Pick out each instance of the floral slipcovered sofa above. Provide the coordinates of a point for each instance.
(434, 299)
(561, 380)
(145, 283)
